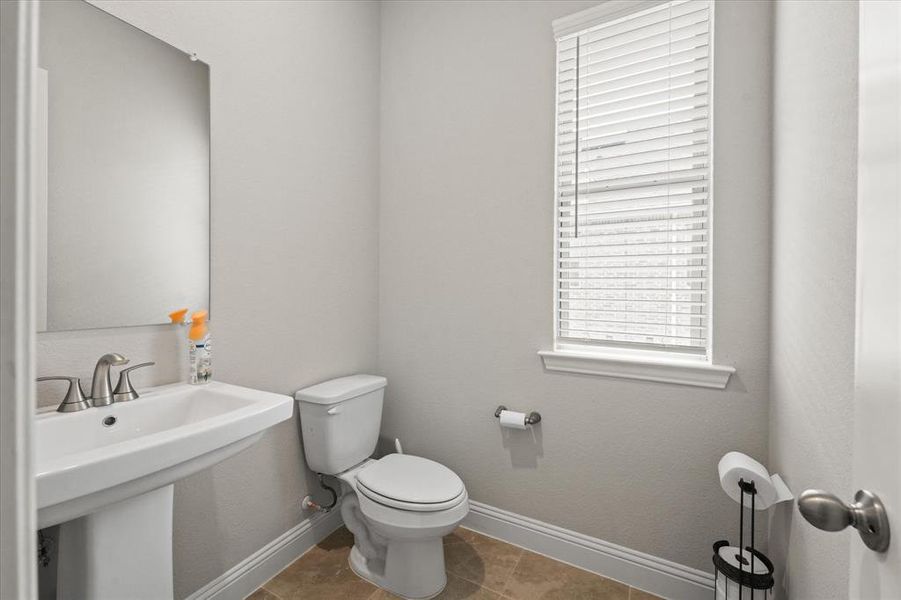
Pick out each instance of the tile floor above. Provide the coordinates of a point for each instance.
(478, 568)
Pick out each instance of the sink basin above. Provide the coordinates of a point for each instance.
(107, 468)
(84, 461)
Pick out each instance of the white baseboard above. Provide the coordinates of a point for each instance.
(643, 571)
(264, 564)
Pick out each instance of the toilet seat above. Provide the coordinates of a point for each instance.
(411, 483)
(411, 506)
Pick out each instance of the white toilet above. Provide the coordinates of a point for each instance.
(398, 507)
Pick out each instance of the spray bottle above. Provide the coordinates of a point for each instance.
(200, 349)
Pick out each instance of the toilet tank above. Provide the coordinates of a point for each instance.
(340, 421)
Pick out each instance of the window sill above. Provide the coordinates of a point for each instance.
(667, 370)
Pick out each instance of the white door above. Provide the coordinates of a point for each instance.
(877, 428)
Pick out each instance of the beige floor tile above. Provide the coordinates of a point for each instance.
(334, 578)
(535, 576)
(339, 539)
(479, 568)
(457, 589)
(481, 560)
(538, 577)
(382, 595)
(460, 589)
(589, 586)
(287, 581)
(636, 594)
(262, 594)
(323, 567)
(462, 535)
(344, 586)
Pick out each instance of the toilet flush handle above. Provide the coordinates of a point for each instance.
(334, 410)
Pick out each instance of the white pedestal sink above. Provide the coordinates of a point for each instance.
(106, 475)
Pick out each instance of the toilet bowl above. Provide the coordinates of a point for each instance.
(398, 527)
(398, 507)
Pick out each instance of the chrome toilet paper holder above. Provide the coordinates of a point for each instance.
(531, 419)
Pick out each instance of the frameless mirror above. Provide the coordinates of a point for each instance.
(123, 173)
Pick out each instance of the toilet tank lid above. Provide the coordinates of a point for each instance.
(338, 390)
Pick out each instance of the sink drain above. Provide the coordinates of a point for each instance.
(109, 421)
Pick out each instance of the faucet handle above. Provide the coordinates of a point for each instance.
(74, 400)
(124, 390)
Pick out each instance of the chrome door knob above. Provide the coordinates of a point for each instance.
(867, 514)
(824, 510)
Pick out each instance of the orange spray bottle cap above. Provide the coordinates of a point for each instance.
(198, 325)
(178, 316)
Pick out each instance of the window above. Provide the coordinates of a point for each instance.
(633, 180)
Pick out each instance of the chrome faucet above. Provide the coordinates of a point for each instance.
(101, 386)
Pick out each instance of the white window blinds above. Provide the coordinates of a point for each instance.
(633, 180)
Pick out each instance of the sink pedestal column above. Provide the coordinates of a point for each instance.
(124, 550)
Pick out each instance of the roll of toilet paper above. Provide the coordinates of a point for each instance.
(735, 466)
(513, 420)
(727, 588)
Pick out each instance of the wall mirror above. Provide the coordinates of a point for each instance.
(123, 173)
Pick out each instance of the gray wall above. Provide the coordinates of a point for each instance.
(466, 254)
(294, 119)
(813, 287)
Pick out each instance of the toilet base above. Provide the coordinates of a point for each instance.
(419, 572)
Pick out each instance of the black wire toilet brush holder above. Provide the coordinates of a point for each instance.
(745, 566)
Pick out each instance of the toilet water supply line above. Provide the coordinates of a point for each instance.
(309, 504)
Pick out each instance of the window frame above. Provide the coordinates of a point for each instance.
(652, 363)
